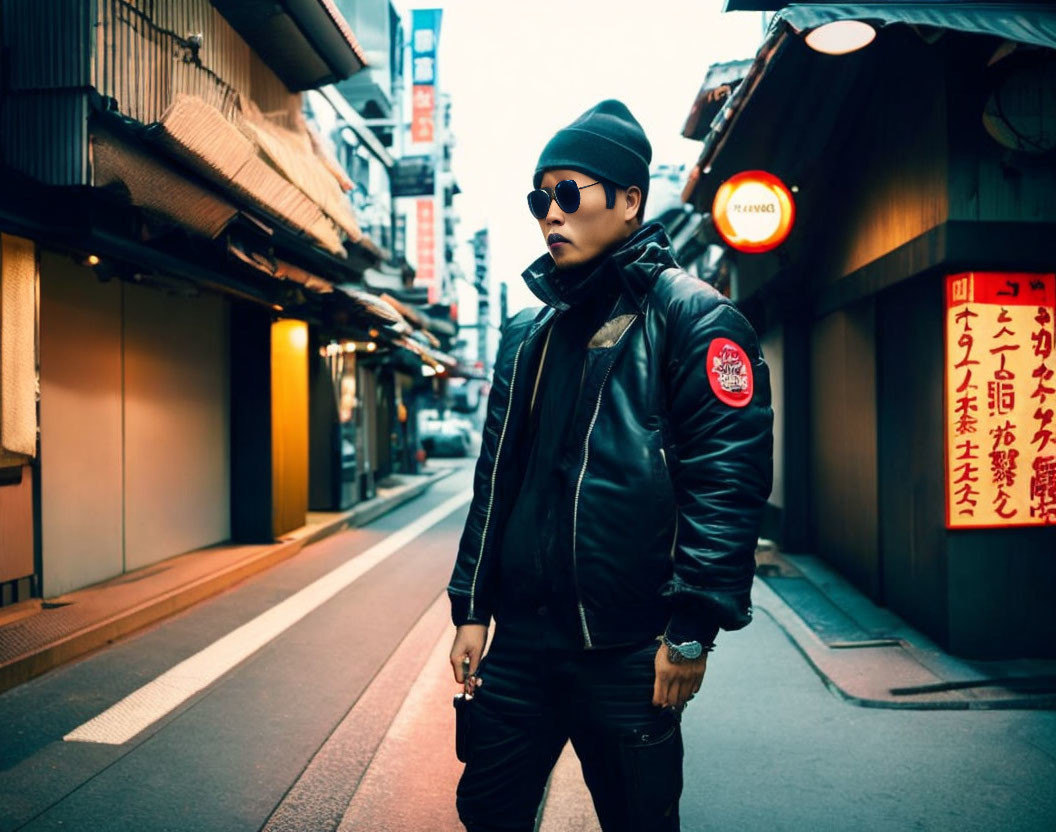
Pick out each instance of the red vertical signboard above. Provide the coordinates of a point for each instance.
(1000, 400)
(423, 108)
(426, 274)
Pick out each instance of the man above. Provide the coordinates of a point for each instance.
(625, 463)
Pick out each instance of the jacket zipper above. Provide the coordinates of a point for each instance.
(575, 508)
(579, 485)
(494, 472)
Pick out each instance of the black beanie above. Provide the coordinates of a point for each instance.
(606, 142)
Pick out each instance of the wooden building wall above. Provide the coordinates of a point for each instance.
(1000, 582)
(843, 439)
(126, 50)
(889, 176)
(919, 158)
(910, 452)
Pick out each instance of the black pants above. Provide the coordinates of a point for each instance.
(533, 701)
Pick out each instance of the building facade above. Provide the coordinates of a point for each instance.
(180, 258)
(921, 159)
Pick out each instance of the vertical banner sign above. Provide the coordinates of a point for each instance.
(424, 34)
(426, 274)
(1000, 400)
(425, 30)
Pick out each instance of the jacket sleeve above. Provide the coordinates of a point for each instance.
(471, 588)
(721, 468)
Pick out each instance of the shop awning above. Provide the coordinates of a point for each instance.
(1033, 23)
(384, 278)
(375, 305)
(719, 83)
(269, 171)
(428, 353)
(785, 73)
(156, 187)
(427, 324)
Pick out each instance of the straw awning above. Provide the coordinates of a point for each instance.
(157, 188)
(205, 141)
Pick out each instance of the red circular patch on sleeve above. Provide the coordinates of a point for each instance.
(730, 373)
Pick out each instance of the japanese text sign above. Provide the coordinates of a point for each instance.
(424, 35)
(1000, 399)
(426, 237)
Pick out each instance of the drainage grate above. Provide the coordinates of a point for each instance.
(829, 622)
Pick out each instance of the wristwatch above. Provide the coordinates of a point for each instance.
(687, 651)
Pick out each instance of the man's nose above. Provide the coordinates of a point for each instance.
(554, 215)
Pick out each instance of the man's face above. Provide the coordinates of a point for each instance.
(575, 238)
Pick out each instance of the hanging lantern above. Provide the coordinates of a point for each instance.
(753, 211)
(840, 37)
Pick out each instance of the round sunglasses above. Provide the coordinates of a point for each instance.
(565, 192)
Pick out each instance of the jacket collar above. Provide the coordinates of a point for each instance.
(636, 263)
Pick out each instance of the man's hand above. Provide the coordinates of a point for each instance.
(676, 683)
(469, 641)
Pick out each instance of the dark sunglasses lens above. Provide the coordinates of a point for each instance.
(539, 203)
(567, 194)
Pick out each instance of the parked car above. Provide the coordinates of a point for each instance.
(465, 394)
(445, 437)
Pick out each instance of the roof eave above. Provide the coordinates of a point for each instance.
(307, 43)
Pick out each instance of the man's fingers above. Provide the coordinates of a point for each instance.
(670, 688)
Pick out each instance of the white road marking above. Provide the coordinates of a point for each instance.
(148, 704)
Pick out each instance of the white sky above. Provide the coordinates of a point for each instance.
(517, 72)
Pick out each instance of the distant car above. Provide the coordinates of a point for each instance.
(465, 394)
(444, 437)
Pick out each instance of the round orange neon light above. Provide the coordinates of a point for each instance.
(753, 211)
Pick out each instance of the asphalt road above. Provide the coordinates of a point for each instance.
(225, 758)
(767, 746)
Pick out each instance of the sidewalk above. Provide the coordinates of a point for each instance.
(870, 657)
(38, 635)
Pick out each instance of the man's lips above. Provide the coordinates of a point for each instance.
(555, 239)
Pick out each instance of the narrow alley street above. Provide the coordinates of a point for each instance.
(343, 720)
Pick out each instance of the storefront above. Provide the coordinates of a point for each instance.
(922, 154)
(175, 230)
(134, 424)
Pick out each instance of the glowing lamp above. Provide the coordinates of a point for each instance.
(753, 211)
(298, 335)
(840, 37)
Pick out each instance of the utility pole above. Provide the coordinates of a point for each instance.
(503, 312)
(481, 282)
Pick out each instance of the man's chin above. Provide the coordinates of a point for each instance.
(563, 261)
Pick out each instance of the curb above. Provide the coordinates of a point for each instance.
(835, 673)
(98, 634)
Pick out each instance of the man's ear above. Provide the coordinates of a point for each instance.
(634, 202)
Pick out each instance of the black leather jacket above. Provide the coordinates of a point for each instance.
(670, 483)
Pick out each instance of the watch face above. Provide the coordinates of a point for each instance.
(691, 649)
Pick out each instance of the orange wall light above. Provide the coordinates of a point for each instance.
(753, 211)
